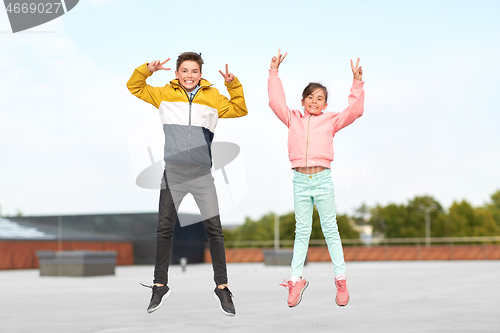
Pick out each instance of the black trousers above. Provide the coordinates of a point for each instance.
(179, 180)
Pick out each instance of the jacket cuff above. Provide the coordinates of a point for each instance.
(357, 84)
(143, 69)
(273, 73)
(233, 84)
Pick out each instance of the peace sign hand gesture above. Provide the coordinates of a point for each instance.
(229, 77)
(276, 61)
(357, 71)
(153, 66)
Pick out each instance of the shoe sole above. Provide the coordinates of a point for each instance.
(300, 299)
(342, 304)
(167, 295)
(220, 305)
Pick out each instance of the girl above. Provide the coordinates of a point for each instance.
(310, 149)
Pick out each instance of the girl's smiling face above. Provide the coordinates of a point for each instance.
(315, 102)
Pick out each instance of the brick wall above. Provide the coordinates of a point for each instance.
(22, 254)
(379, 253)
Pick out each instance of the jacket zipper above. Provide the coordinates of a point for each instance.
(307, 137)
(190, 102)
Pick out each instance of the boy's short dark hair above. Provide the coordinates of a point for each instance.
(312, 87)
(190, 56)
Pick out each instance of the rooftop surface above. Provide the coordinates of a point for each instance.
(430, 296)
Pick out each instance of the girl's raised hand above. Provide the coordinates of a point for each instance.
(276, 61)
(229, 77)
(357, 71)
(153, 66)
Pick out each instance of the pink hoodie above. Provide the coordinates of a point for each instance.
(310, 137)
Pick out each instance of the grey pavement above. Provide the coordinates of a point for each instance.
(435, 296)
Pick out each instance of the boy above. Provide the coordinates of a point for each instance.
(189, 109)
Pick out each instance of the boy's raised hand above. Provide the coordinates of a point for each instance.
(229, 77)
(153, 66)
(357, 71)
(276, 61)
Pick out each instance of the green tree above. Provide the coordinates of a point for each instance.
(263, 229)
(461, 219)
(377, 220)
(346, 231)
(402, 221)
(494, 207)
(467, 221)
(228, 235)
(392, 221)
(345, 228)
(287, 226)
(487, 225)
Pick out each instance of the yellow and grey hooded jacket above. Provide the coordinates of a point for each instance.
(188, 125)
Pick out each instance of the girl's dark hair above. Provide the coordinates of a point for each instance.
(189, 56)
(312, 87)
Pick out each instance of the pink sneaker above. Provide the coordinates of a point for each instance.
(342, 297)
(295, 291)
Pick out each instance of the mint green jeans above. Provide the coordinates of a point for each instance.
(309, 190)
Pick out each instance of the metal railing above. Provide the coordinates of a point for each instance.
(374, 241)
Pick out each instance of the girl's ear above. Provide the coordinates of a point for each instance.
(302, 101)
(326, 104)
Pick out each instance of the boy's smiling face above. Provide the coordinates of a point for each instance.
(189, 75)
(315, 102)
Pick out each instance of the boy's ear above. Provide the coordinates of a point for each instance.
(176, 75)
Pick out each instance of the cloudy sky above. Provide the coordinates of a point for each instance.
(73, 139)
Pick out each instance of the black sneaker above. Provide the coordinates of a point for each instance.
(223, 296)
(160, 294)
